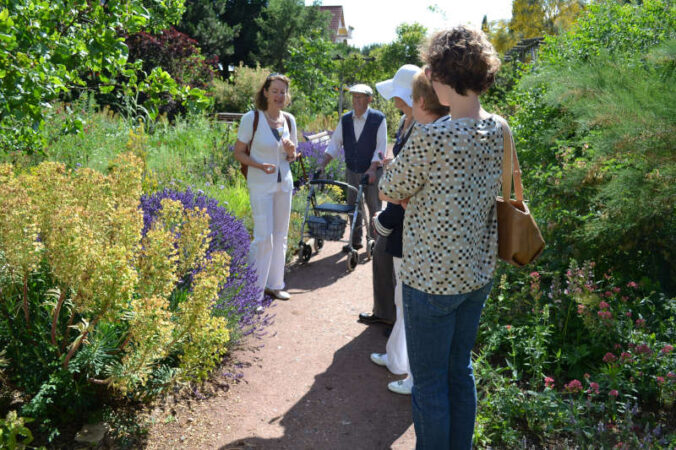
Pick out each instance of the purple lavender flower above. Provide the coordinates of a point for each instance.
(239, 296)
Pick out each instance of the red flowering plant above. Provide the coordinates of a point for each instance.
(608, 343)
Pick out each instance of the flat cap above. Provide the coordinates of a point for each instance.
(361, 89)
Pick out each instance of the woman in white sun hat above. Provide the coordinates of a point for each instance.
(389, 225)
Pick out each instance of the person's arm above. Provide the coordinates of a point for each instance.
(380, 151)
(241, 156)
(408, 172)
(244, 135)
(291, 142)
(334, 146)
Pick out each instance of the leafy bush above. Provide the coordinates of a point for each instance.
(90, 305)
(52, 49)
(237, 94)
(596, 148)
(585, 359)
(14, 435)
(238, 298)
(173, 51)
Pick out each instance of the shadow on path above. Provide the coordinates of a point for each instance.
(347, 407)
(330, 264)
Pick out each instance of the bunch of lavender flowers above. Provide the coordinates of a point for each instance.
(313, 155)
(239, 295)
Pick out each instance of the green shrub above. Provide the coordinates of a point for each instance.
(88, 304)
(237, 94)
(593, 124)
(14, 435)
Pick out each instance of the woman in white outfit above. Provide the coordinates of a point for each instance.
(425, 108)
(273, 141)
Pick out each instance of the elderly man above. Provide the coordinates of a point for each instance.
(363, 134)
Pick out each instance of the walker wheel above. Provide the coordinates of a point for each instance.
(370, 248)
(305, 253)
(352, 260)
(319, 243)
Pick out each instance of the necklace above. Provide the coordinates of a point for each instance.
(271, 120)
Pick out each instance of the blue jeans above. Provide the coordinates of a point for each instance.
(440, 334)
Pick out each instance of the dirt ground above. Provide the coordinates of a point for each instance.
(308, 383)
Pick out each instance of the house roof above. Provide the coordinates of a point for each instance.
(337, 18)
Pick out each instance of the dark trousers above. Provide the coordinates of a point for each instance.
(384, 281)
(372, 203)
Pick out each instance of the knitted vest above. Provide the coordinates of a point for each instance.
(359, 153)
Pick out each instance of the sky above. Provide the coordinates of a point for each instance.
(376, 21)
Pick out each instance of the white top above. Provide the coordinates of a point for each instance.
(266, 149)
(359, 122)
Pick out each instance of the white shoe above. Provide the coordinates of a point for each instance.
(379, 358)
(402, 387)
(278, 294)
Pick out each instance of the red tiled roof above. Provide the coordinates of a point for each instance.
(336, 16)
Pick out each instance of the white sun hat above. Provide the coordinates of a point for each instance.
(361, 89)
(401, 85)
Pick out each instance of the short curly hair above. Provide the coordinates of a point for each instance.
(462, 58)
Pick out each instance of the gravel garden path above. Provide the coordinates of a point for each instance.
(308, 383)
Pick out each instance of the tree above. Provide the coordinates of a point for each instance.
(532, 18)
(281, 23)
(204, 21)
(312, 72)
(405, 49)
(51, 49)
(243, 13)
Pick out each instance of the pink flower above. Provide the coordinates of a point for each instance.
(609, 358)
(580, 309)
(628, 314)
(616, 289)
(586, 376)
(549, 382)
(604, 305)
(509, 327)
(625, 356)
(594, 387)
(613, 393)
(624, 298)
(632, 284)
(608, 294)
(643, 349)
(671, 376)
(605, 315)
(535, 275)
(660, 380)
(667, 349)
(640, 323)
(574, 386)
(617, 346)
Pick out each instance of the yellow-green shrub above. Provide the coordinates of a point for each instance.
(73, 259)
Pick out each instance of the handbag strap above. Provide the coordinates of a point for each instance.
(510, 166)
(253, 133)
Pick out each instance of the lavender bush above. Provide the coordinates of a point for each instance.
(239, 297)
(313, 154)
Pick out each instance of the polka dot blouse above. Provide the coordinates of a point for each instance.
(452, 172)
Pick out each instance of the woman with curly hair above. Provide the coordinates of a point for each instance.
(449, 176)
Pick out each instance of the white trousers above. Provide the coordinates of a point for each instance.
(271, 212)
(397, 355)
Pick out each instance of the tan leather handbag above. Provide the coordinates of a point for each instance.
(519, 239)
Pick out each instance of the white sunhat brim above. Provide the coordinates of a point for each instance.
(389, 90)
